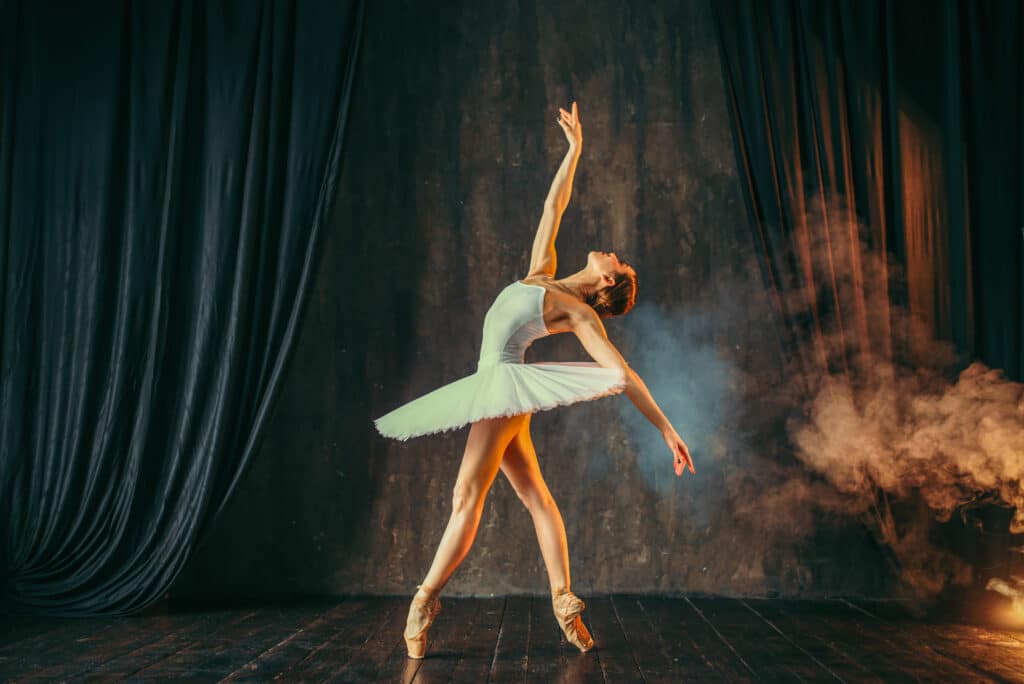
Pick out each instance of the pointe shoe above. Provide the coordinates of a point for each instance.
(422, 612)
(567, 607)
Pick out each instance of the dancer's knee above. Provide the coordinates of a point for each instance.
(466, 497)
(537, 501)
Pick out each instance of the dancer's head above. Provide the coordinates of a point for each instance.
(616, 290)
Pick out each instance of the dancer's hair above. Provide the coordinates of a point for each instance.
(616, 299)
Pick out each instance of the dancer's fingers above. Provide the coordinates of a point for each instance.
(689, 460)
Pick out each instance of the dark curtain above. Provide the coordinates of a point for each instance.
(166, 169)
(880, 144)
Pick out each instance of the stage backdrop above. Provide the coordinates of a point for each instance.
(902, 117)
(166, 171)
(453, 147)
(880, 146)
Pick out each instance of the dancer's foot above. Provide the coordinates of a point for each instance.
(567, 608)
(424, 608)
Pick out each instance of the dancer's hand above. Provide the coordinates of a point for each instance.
(570, 123)
(680, 452)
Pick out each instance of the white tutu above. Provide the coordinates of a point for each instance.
(501, 389)
(503, 385)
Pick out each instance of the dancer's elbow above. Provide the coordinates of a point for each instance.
(627, 373)
(592, 336)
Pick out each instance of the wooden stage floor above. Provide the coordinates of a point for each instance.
(515, 639)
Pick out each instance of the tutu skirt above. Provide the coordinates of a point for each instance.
(501, 389)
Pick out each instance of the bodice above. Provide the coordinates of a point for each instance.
(514, 320)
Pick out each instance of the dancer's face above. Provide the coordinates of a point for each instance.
(607, 263)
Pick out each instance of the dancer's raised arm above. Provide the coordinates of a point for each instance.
(543, 259)
(587, 326)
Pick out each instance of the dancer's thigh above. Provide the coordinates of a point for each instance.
(480, 461)
(521, 468)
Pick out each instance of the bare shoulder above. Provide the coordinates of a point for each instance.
(562, 311)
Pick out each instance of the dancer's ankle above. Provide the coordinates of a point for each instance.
(558, 591)
(425, 592)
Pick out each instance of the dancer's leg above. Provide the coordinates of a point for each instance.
(523, 472)
(480, 461)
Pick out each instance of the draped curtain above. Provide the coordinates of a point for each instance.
(880, 144)
(165, 173)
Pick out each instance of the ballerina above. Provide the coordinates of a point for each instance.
(498, 400)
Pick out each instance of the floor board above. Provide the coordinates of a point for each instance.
(638, 638)
(768, 654)
(510, 660)
(697, 651)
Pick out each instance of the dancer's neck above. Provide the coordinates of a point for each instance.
(580, 284)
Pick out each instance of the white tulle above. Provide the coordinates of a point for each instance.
(501, 389)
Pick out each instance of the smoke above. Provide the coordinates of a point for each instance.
(868, 419)
(694, 385)
(904, 432)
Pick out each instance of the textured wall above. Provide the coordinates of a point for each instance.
(452, 146)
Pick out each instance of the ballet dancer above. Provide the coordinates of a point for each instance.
(498, 400)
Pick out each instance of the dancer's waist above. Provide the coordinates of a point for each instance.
(490, 358)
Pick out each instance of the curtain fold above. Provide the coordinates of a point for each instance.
(166, 170)
(880, 144)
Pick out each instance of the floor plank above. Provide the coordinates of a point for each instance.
(129, 649)
(638, 638)
(215, 656)
(289, 652)
(613, 649)
(818, 641)
(474, 664)
(368, 661)
(19, 628)
(889, 653)
(447, 639)
(511, 649)
(545, 654)
(697, 651)
(653, 662)
(984, 652)
(766, 652)
(332, 645)
(63, 636)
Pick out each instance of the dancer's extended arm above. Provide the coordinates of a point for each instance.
(587, 326)
(543, 259)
